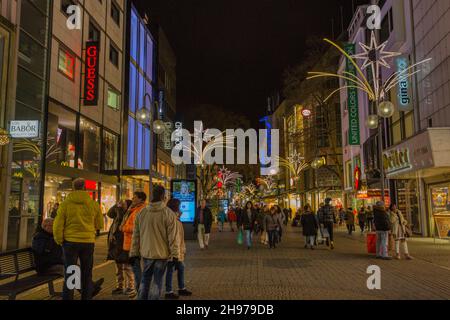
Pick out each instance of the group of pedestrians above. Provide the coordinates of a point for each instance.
(146, 242)
(365, 218)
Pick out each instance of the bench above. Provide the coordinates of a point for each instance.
(17, 263)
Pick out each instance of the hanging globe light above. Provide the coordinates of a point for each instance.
(143, 116)
(386, 109)
(372, 121)
(159, 127)
(4, 137)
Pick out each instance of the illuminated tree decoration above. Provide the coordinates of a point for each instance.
(4, 137)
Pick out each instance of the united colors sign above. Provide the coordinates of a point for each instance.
(91, 74)
(354, 137)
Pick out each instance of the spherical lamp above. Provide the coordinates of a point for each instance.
(159, 127)
(143, 115)
(386, 109)
(372, 121)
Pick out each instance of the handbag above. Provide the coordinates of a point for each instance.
(325, 233)
(240, 237)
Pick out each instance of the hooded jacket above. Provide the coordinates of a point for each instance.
(78, 218)
(127, 226)
(155, 233)
(46, 252)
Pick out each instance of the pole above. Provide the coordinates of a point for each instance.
(380, 153)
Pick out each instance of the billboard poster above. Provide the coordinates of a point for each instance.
(186, 192)
(353, 108)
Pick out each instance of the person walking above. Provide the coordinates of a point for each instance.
(221, 219)
(177, 264)
(310, 226)
(350, 221)
(327, 218)
(399, 231)
(127, 227)
(74, 229)
(231, 217)
(382, 227)
(202, 224)
(261, 228)
(342, 215)
(286, 216)
(247, 222)
(155, 241)
(281, 218)
(369, 219)
(362, 219)
(124, 272)
(272, 225)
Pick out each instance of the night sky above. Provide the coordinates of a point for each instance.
(232, 53)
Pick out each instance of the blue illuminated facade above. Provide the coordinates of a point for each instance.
(141, 65)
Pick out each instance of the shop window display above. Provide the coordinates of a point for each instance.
(440, 205)
(89, 139)
(111, 150)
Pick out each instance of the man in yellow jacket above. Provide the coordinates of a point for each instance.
(74, 228)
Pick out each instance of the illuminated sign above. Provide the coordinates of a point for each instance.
(91, 74)
(186, 192)
(24, 129)
(354, 137)
(167, 136)
(396, 160)
(90, 185)
(306, 113)
(357, 177)
(404, 96)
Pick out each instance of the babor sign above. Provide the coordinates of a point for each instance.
(24, 129)
(353, 111)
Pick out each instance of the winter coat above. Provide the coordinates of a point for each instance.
(326, 214)
(272, 222)
(260, 216)
(127, 226)
(207, 219)
(115, 236)
(309, 224)
(349, 217)
(231, 216)
(398, 224)
(156, 233)
(248, 223)
(45, 251)
(78, 219)
(222, 217)
(362, 217)
(381, 219)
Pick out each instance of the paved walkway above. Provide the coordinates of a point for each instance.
(228, 271)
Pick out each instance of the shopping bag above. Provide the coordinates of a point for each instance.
(325, 233)
(240, 237)
(372, 243)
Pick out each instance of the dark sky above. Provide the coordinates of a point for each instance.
(232, 53)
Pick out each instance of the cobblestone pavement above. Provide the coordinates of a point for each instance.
(290, 272)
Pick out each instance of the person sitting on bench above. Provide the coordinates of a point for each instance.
(48, 256)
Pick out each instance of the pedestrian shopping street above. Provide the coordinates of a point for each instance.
(227, 271)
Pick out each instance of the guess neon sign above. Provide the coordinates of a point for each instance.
(91, 74)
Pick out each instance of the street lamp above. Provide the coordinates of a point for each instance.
(145, 117)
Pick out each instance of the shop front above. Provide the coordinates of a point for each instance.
(420, 169)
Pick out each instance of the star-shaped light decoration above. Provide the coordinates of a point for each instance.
(375, 56)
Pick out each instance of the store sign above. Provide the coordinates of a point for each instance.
(354, 137)
(357, 178)
(362, 194)
(91, 74)
(404, 91)
(24, 129)
(397, 160)
(306, 113)
(167, 136)
(90, 185)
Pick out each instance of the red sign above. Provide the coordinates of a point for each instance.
(91, 74)
(357, 177)
(90, 185)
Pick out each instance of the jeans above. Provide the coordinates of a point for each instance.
(382, 243)
(71, 253)
(362, 225)
(248, 237)
(330, 227)
(137, 271)
(272, 238)
(179, 266)
(369, 225)
(350, 229)
(153, 269)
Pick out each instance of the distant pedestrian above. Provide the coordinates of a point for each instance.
(74, 228)
(399, 231)
(202, 224)
(231, 217)
(281, 218)
(342, 215)
(127, 227)
(310, 226)
(221, 219)
(286, 216)
(272, 225)
(174, 205)
(155, 241)
(350, 221)
(327, 218)
(369, 219)
(261, 230)
(124, 272)
(382, 226)
(247, 222)
(362, 219)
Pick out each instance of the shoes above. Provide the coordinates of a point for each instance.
(98, 286)
(117, 291)
(386, 258)
(171, 296)
(378, 257)
(184, 293)
(206, 246)
(306, 246)
(248, 248)
(332, 246)
(312, 248)
(131, 293)
(398, 257)
(408, 257)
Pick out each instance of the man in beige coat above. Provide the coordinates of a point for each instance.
(155, 240)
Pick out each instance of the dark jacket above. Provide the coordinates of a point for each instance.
(244, 220)
(46, 252)
(381, 219)
(310, 224)
(207, 219)
(115, 236)
(326, 214)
